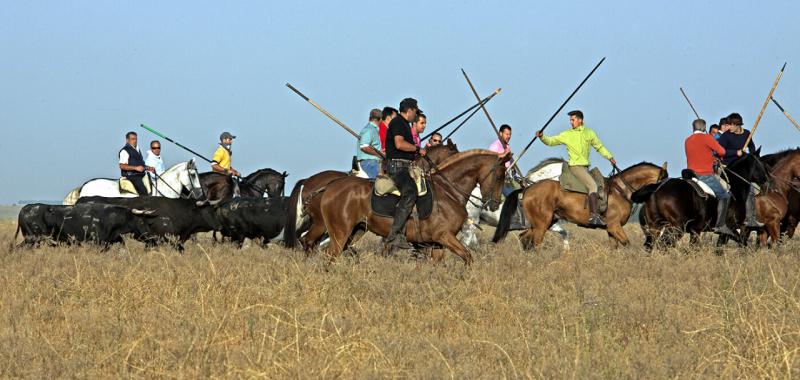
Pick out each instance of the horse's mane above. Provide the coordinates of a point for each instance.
(449, 161)
(773, 158)
(261, 171)
(545, 162)
(176, 165)
(452, 147)
(643, 163)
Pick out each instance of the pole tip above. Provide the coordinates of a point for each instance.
(784, 66)
(498, 90)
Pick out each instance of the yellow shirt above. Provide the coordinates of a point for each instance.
(222, 157)
(578, 141)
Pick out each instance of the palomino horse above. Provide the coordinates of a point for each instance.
(298, 220)
(549, 168)
(345, 204)
(674, 207)
(545, 201)
(786, 178)
(180, 179)
(219, 186)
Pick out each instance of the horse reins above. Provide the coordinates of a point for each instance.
(180, 195)
(435, 169)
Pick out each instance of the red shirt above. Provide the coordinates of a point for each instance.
(700, 147)
(382, 128)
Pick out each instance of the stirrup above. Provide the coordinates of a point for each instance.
(596, 221)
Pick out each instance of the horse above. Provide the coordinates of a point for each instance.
(788, 181)
(545, 201)
(673, 207)
(180, 180)
(345, 207)
(219, 186)
(549, 168)
(298, 220)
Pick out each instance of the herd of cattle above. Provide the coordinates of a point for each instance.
(152, 220)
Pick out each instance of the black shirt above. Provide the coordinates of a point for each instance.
(399, 127)
(732, 143)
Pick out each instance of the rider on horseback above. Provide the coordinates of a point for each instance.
(733, 141)
(400, 152)
(131, 163)
(700, 148)
(578, 140)
(221, 160)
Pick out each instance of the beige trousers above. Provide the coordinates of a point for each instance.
(582, 173)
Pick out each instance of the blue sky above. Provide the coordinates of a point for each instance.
(77, 75)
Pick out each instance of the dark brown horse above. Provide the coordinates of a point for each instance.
(298, 220)
(673, 207)
(787, 181)
(345, 204)
(545, 201)
(219, 186)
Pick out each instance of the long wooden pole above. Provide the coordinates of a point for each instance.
(785, 113)
(337, 121)
(764, 107)
(690, 103)
(474, 106)
(559, 110)
(486, 112)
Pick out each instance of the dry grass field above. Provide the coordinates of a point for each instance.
(215, 311)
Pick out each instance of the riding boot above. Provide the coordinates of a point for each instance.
(750, 209)
(722, 218)
(595, 220)
(397, 236)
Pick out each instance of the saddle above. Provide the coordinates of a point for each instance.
(702, 190)
(126, 186)
(571, 183)
(385, 195)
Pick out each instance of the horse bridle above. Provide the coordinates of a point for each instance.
(435, 169)
(180, 194)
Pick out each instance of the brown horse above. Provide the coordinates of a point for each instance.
(298, 220)
(545, 201)
(345, 204)
(787, 181)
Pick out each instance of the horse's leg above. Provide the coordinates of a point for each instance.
(451, 242)
(562, 232)
(437, 254)
(618, 234)
(312, 236)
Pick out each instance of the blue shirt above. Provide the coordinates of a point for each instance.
(368, 137)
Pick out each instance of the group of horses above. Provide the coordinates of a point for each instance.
(467, 190)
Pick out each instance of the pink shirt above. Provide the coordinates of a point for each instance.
(414, 134)
(497, 147)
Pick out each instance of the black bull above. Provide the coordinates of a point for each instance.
(96, 223)
(177, 219)
(252, 218)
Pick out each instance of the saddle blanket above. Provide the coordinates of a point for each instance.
(385, 205)
(569, 182)
(126, 186)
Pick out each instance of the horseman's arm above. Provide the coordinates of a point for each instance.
(714, 145)
(598, 146)
(370, 150)
(401, 144)
(219, 169)
(552, 140)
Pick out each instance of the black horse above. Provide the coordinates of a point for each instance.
(673, 207)
(219, 186)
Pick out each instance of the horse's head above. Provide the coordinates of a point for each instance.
(190, 179)
(267, 180)
(750, 168)
(477, 167)
(638, 176)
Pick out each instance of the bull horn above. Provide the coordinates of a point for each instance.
(214, 203)
(137, 211)
(201, 203)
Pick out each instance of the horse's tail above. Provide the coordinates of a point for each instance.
(290, 237)
(506, 213)
(73, 196)
(643, 194)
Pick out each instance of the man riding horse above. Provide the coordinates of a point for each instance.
(221, 160)
(578, 140)
(733, 141)
(400, 152)
(700, 149)
(131, 163)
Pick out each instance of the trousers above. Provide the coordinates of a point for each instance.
(582, 173)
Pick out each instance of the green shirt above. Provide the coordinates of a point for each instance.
(578, 140)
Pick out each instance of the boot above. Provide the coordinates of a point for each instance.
(595, 220)
(397, 237)
(750, 211)
(722, 218)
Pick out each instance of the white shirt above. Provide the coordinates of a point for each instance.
(124, 156)
(154, 161)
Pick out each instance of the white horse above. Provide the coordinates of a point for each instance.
(549, 168)
(170, 184)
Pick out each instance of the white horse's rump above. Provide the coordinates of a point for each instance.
(170, 184)
(549, 169)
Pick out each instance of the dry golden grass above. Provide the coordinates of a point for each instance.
(217, 311)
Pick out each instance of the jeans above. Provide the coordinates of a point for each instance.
(370, 167)
(715, 186)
